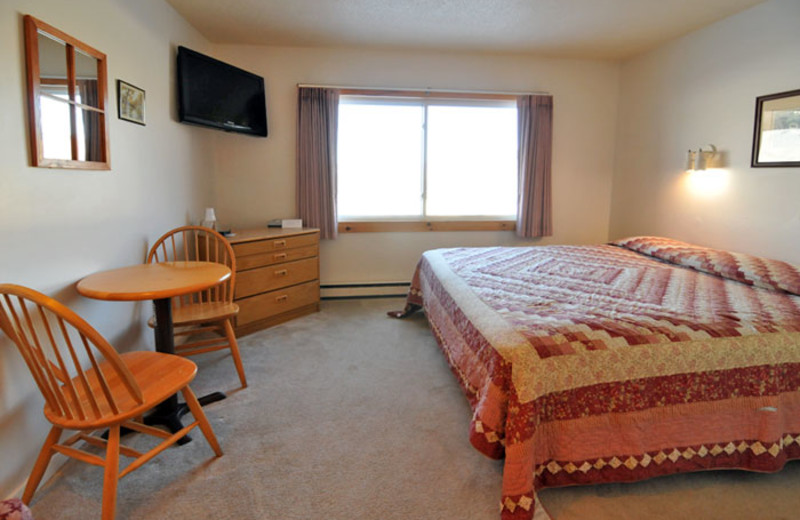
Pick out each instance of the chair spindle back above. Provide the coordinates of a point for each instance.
(192, 243)
(64, 355)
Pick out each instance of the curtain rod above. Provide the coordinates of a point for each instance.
(432, 90)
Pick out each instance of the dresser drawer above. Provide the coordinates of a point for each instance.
(244, 263)
(263, 306)
(276, 276)
(256, 247)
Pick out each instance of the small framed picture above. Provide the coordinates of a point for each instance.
(776, 139)
(130, 102)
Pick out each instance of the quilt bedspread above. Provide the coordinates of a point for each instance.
(589, 364)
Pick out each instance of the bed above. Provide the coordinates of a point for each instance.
(617, 362)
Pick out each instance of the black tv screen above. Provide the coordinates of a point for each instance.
(218, 95)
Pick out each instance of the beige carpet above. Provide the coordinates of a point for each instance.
(353, 415)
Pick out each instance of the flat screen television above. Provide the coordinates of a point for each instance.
(218, 95)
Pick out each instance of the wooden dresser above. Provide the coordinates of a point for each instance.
(277, 276)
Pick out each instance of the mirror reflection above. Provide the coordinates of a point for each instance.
(52, 58)
(89, 126)
(67, 96)
(56, 126)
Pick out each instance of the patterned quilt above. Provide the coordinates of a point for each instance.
(619, 362)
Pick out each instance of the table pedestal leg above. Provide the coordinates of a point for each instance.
(169, 412)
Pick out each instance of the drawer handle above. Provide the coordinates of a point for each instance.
(279, 244)
(282, 298)
(282, 272)
(280, 256)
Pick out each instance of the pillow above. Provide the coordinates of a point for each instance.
(748, 269)
(14, 509)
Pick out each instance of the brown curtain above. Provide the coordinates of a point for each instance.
(535, 134)
(317, 121)
(91, 121)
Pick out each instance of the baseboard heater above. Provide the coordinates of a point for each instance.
(345, 291)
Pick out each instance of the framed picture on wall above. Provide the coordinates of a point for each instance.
(776, 138)
(130, 103)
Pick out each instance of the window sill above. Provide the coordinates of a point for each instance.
(425, 225)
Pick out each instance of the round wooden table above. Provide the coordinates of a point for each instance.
(158, 282)
(153, 281)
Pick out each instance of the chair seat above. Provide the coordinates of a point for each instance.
(158, 375)
(200, 313)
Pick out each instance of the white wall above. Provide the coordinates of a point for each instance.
(697, 90)
(59, 225)
(256, 177)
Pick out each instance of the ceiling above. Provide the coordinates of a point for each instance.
(597, 29)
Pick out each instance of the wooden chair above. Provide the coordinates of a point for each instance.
(210, 311)
(88, 386)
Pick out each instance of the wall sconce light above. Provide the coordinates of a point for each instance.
(702, 159)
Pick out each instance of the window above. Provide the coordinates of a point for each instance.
(420, 158)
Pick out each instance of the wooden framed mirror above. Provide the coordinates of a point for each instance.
(67, 100)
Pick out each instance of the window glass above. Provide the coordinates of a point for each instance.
(418, 158)
(472, 161)
(379, 160)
